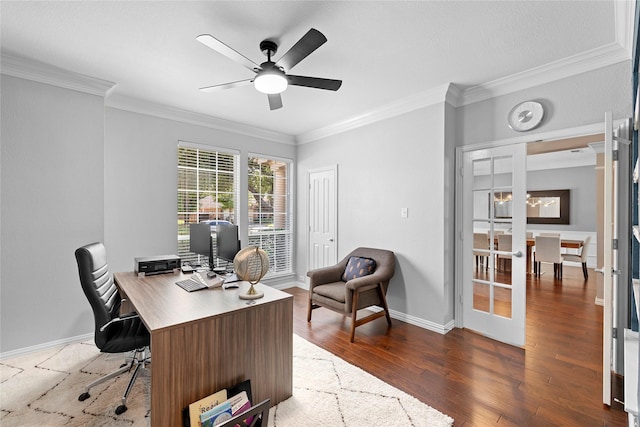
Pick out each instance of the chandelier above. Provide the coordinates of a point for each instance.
(540, 201)
(501, 197)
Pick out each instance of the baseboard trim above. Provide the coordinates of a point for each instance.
(600, 301)
(422, 323)
(403, 317)
(44, 346)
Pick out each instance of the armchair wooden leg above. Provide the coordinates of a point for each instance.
(354, 315)
(384, 303)
(354, 311)
(309, 309)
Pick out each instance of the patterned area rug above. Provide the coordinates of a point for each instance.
(42, 389)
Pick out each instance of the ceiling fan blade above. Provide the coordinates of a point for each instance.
(226, 85)
(307, 44)
(315, 82)
(275, 101)
(215, 44)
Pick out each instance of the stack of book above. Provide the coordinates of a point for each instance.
(216, 409)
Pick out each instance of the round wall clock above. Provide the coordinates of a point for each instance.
(525, 116)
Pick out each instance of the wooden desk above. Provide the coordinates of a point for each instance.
(207, 340)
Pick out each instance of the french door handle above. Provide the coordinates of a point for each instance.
(613, 272)
(517, 254)
(330, 239)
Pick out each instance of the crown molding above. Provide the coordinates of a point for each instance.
(603, 56)
(444, 93)
(30, 69)
(148, 108)
(544, 136)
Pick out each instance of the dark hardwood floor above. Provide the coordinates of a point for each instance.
(556, 380)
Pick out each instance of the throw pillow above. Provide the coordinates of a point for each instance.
(358, 267)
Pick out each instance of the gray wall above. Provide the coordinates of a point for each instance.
(383, 167)
(407, 161)
(141, 180)
(52, 202)
(582, 183)
(570, 102)
(68, 178)
(73, 173)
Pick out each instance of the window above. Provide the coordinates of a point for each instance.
(207, 191)
(269, 211)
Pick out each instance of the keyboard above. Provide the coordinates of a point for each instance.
(192, 284)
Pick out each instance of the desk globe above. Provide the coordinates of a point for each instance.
(250, 265)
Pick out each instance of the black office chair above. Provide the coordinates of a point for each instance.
(114, 333)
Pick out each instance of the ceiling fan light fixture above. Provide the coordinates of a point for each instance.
(271, 81)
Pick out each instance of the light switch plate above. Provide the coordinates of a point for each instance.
(404, 212)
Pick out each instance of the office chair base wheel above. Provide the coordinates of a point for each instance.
(84, 396)
(120, 409)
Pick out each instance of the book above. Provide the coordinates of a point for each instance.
(239, 402)
(237, 397)
(203, 405)
(217, 415)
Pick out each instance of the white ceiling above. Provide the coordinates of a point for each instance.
(383, 51)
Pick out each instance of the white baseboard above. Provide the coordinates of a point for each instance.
(422, 323)
(407, 318)
(44, 346)
(599, 301)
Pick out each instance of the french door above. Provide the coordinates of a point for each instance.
(493, 198)
(616, 245)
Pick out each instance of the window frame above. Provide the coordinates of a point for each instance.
(289, 242)
(183, 238)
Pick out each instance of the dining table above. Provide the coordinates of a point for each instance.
(531, 243)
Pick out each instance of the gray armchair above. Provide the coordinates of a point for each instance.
(328, 289)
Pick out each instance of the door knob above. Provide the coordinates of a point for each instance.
(518, 254)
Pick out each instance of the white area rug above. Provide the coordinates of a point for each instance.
(42, 389)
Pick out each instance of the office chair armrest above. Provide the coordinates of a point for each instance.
(121, 318)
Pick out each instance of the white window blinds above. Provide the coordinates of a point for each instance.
(207, 190)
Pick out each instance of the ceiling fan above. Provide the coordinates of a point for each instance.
(271, 77)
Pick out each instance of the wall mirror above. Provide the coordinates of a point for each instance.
(543, 207)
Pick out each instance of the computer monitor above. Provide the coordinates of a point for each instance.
(200, 240)
(227, 243)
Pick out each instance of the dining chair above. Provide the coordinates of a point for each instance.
(581, 257)
(504, 245)
(548, 251)
(481, 249)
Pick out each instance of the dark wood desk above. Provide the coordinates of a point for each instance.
(208, 340)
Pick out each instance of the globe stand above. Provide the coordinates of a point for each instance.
(252, 293)
(250, 265)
